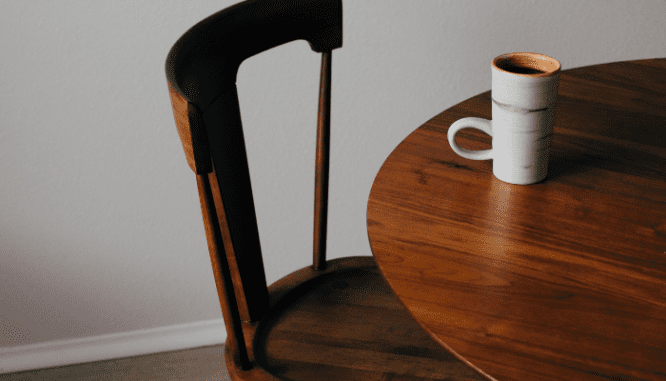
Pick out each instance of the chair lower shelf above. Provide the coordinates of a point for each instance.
(347, 325)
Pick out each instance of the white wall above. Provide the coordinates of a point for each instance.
(100, 226)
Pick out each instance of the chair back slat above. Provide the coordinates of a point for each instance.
(201, 71)
(221, 272)
(235, 205)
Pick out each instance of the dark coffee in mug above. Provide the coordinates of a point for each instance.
(513, 68)
(522, 64)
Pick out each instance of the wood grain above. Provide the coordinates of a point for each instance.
(560, 280)
(343, 323)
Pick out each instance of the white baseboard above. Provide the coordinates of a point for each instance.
(116, 345)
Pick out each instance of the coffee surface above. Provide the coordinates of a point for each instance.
(513, 68)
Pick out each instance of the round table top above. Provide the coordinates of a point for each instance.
(560, 280)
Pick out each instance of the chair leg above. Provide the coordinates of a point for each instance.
(322, 164)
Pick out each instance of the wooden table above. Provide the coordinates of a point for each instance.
(560, 280)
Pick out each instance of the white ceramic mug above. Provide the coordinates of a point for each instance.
(523, 94)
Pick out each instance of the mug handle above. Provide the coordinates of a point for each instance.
(484, 125)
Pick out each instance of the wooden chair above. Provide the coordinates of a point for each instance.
(335, 320)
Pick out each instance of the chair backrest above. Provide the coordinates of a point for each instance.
(201, 72)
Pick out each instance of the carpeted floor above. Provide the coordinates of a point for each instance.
(205, 363)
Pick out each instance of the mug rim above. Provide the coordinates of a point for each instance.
(548, 65)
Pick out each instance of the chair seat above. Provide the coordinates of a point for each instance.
(348, 325)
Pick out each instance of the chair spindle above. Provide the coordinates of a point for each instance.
(322, 164)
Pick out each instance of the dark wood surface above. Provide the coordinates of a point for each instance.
(345, 324)
(560, 280)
